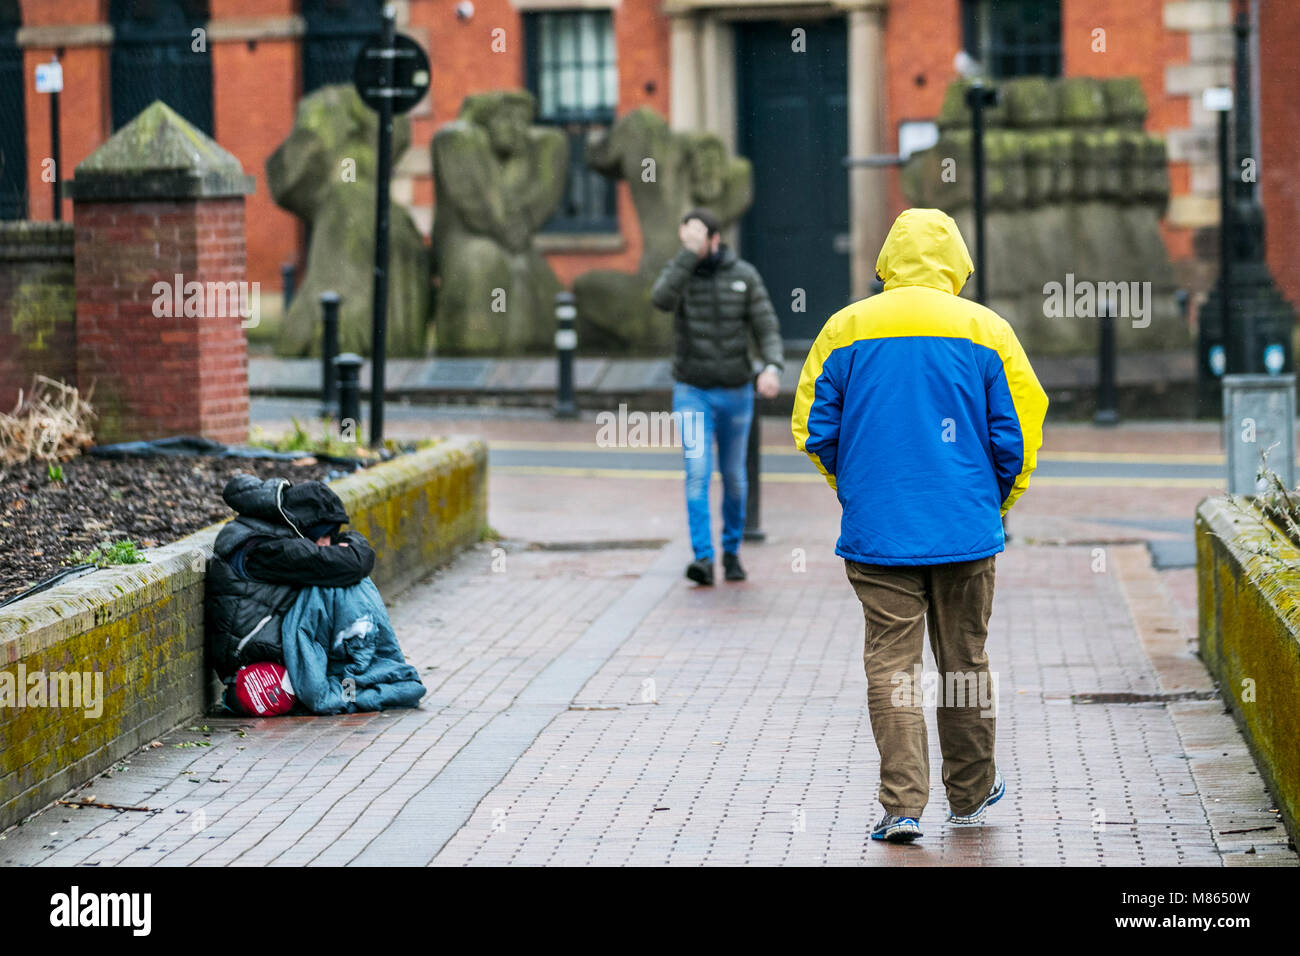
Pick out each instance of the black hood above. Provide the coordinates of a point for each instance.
(279, 501)
(312, 503)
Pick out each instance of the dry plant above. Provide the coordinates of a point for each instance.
(50, 423)
(1279, 505)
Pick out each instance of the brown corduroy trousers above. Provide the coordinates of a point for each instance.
(954, 602)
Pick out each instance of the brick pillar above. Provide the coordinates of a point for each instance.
(158, 215)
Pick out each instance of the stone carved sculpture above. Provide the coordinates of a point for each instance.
(324, 173)
(497, 179)
(1075, 190)
(667, 173)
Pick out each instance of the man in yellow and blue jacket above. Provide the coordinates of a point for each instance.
(923, 413)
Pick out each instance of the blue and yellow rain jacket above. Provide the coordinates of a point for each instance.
(920, 408)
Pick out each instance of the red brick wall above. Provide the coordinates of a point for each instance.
(1136, 45)
(921, 39)
(1279, 126)
(85, 109)
(254, 92)
(462, 56)
(641, 36)
(464, 63)
(223, 349)
(923, 36)
(158, 376)
(255, 89)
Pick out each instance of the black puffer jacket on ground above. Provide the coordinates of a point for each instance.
(719, 307)
(268, 543)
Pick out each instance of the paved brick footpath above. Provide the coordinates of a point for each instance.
(587, 705)
(698, 726)
(757, 750)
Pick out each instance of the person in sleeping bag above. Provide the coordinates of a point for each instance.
(292, 618)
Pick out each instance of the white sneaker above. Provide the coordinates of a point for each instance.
(996, 793)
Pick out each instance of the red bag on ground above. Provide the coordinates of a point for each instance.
(264, 690)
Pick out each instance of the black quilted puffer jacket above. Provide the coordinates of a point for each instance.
(719, 307)
(264, 557)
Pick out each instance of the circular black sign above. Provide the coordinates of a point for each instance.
(410, 73)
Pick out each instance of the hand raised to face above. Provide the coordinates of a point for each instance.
(694, 236)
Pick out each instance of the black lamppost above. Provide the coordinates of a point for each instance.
(1245, 324)
(979, 97)
(379, 297)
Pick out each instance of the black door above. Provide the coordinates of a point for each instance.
(335, 31)
(793, 126)
(156, 56)
(13, 117)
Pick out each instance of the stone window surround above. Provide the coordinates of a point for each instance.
(1208, 25)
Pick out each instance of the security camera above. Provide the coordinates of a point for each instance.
(966, 65)
(464, 10)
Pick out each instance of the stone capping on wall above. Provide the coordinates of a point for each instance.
(1248, 603)
(141, 626)
(243, 29)
(45, 619)
(221, 30)
(579, 242)
(27, 240)
(166, 184)
(526, 6)
(65, 35)
(159, 155)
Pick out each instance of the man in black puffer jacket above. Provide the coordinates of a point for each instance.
(720, 312)
(285, 538)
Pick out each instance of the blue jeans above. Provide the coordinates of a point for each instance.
(705, 413)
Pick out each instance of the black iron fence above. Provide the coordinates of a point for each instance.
(160, 52)
(335, 31)
(13, 123)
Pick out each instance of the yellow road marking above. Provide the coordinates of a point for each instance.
(1138, 458)
(565, 471)
(1116, 482)
(1118, 457)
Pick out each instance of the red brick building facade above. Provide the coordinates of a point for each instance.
(685, 59)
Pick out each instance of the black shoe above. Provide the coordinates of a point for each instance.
(731, 567)
(701, 572)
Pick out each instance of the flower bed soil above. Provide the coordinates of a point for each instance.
(151, 501)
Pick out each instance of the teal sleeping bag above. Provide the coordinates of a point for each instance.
(342, 655)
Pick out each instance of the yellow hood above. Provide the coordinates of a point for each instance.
(924, 247)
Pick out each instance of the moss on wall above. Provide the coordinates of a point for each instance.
(1248, 596)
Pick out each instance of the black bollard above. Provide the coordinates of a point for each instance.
(1107, 413)
(753, 469)
(329, 348)
(349, 375)
(566, 342)
(286, 284)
